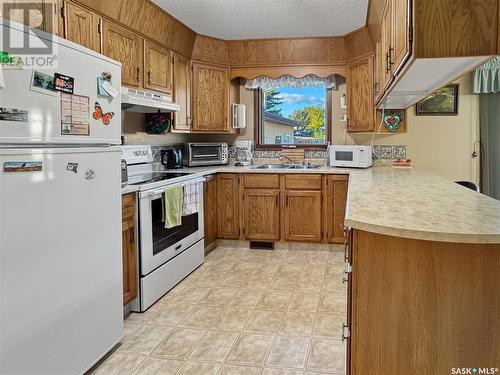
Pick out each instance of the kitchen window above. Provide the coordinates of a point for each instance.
(291, 112)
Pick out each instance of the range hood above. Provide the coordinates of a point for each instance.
(142, 101)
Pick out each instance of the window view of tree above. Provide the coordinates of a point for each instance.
(294, 116)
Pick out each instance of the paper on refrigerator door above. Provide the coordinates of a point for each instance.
(2, 82)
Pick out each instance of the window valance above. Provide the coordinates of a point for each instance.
(486, 78)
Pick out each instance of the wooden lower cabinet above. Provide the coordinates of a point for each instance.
(210, 210)
(302, 216)
(336, 198)
(261, 214)
(228, 202)
(423, 307)
(129, 254)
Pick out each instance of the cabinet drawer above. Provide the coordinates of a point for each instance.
(261, 181)
(303, 182)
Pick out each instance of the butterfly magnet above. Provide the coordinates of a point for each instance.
(100, 115)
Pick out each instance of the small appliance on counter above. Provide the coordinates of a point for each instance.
(243, 153)
(350, 156)
(210, 153)
(171, 157)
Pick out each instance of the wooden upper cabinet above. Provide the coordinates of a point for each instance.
(126, 47)
(182, 93)
(360, 110)
(261, 214)
(210, 98)
(38, 14)
(378, 69)
(400, 48)
(302, 216)
(386, 44)
(157, 67)
(228, 201)
(336, 198)
(81, 26)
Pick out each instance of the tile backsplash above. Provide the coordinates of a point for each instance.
(388, 152)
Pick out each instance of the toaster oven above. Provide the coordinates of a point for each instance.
(210, 153)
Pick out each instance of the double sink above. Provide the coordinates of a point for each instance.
(287, 166)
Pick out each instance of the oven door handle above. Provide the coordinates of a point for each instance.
(149, 193)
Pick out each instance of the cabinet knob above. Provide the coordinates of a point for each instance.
(149, 77)
(137, 78)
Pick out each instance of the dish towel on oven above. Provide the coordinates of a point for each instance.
(172, 206)
(191, 203)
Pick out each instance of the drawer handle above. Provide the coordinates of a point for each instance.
(178, 247)
(277, 201)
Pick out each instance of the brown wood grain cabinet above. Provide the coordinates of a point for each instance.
(360, 109)
(124, 46)
(302, 216)
(336, 198)
(81, 26)
(210, 210)
(210, 104)
(400, 48)
(182, 93)
(129, 254)
(261, 214)
(422, 307)
(157, 67)
(228, 206)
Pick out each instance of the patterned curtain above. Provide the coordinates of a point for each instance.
(310, 80)
(487, 77)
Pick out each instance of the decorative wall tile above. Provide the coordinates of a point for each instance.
(388, 151)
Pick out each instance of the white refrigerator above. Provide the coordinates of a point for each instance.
(60, 211)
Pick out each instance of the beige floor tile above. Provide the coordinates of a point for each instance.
(215, 346)
(333, 303)
(232, 319)
(155, 366)
(145, 317)
(201, 317)
(231, 280)
(144, 340)
(128, 330)
(290, 269)
(180, 343)
(246, 298)
(198, 368)
(251, 349)
(328, 325)
(326, 355)
(240, 370)
(288, 351)
(334, 284)
(304, 301)
(259, 282)
(314, 270)
(335, 269)
(280, 371)
(311, 284)
(172, 314)
(298, 323)
(218, 297)
(283, 283)
(265, 321)
(118, 364)
(274, 300)
(191, 295)
(242, 268)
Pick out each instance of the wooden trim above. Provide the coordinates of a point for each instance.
(297, 71)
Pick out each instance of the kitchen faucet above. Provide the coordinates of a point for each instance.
(282, 155)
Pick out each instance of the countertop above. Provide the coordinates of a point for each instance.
(410, 203)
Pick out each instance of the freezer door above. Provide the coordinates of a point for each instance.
(30, 112)
(60, 259)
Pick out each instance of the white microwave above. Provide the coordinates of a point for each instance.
(350, 156)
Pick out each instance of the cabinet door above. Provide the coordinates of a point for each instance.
(386, 44)
(360, 96)
(228, 211)
(379, 74)
(261, 214)
(129, 261)
(182, 93)
(210, 210)
(210, 98)
(38, 14)
(336, 197)
(400, 33)
(126, 47)
(157, 67)
(81, 26)
(302, 216)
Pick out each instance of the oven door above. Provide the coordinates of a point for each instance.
(205, 154)
(158, 244)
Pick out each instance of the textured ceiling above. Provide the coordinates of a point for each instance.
(255, 19)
